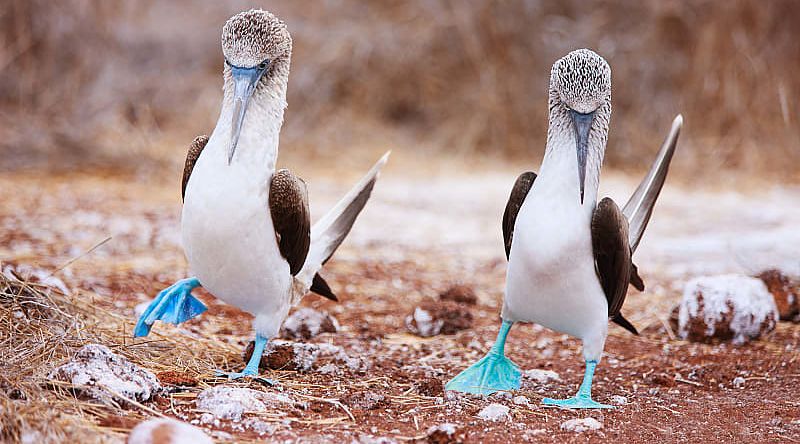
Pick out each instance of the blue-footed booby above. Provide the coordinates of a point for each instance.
(246, 227)
(569, 258)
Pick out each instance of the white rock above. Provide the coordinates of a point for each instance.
(447, 428)
(232, 402)
(423, 323)
(738, 382)
(329, 369)
(167, 431)
(521, 400)
(305, 323)
(541, 376)
(107, 375)
(532, 435)
(494, 412)
(579, 425)
(618, 400)
(259, 426)
(728, 307)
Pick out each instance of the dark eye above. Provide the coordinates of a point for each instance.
(263, 65)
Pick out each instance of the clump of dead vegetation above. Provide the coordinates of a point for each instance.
(40, 328)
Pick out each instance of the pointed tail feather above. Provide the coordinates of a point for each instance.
(640, 205)
(624, 323)
(330, 231)
(320, 287)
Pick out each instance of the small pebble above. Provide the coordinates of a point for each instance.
(618, 400)
(494, 412)
(580, 425)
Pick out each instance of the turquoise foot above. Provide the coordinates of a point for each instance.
(576, 402)
(251, 370)
(493, 373)
(582, 399)
(174, 304)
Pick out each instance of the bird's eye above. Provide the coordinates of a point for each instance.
(263, 65)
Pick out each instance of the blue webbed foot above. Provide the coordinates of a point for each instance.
(491, 374)
(251, 370)
(576, 402)
(582, 399)
(174, 304)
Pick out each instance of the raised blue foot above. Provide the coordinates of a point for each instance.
(174, 304)
(582, 399)
(251, 370)
(491, 374)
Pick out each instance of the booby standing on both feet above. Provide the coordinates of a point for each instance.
(246, 227)
(569, 258)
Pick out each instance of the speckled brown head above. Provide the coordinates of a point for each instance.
(253, 37)
(582, 80)
(580, 97)
(257, 49)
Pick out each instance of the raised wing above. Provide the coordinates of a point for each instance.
(330, 231)
(518, 193)
(288, 205)
(195, 149)
(640, 205)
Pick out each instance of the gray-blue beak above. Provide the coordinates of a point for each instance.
(583, 125)
(244, 83)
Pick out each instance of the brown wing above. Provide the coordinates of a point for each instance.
(518, 193)
(288, 205)
(195, 149)
(612, 255)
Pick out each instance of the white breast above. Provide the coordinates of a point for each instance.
(551, 277)
(228, 235)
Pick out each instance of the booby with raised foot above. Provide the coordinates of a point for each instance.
(246, 227)
(569, 257)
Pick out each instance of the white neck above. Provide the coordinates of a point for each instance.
(560, 163)
(257, 149)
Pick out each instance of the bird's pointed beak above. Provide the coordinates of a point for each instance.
(244, 83)
(583, 125)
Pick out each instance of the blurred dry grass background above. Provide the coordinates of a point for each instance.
(129, 84)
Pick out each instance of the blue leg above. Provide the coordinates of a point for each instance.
(491, 374)
(252, 365)
(174, 304)
(582, 399)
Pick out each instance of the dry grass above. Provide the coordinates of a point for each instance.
(40, 328)
(109, 84)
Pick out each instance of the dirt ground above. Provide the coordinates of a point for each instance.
(417, 239)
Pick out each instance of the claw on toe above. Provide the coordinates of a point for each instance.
(576, 402)
(232, 376)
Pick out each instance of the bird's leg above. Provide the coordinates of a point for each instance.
(491, 374)
(582, 399)
(252, 364)
(174, 304)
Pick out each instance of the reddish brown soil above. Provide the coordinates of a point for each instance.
(676, 391)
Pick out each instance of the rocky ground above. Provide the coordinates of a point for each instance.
(425, 251)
